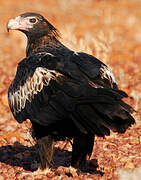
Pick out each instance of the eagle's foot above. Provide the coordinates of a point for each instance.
(68, 171)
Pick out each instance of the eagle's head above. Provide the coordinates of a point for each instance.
(32, 24)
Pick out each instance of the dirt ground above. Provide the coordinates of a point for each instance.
(109, 30)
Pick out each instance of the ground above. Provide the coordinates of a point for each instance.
(109, 30)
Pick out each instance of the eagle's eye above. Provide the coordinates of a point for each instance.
(33, 20)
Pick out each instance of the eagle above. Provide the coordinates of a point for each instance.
(65, 94)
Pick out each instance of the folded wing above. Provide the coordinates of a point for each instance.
(78, 88)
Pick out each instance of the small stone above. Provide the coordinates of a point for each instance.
(13, 139)
(25, 136)
(8, 128)
(28, 177)
(129, 165)
(4, 170)
(19, 175)
(10, 171)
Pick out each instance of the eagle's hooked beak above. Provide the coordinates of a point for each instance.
(14, 24)
(19, 23)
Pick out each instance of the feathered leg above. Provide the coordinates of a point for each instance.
(82, 149)
(45, 150)
(44, 144)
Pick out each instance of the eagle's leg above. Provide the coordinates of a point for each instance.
(45, 151)
(82, 149)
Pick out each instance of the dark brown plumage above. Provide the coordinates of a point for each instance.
(65, 94)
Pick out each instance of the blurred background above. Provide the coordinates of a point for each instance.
(109, 30)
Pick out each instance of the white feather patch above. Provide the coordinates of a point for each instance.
(33, 85)
(107, 74)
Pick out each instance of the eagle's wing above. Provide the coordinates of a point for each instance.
(98, 73)
(30, 89)
(47, 89)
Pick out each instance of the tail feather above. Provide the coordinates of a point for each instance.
(92, 120)
(126, 107)
(103, 112)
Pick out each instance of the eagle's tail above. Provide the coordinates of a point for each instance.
(98, 114)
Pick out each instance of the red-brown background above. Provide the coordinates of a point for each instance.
(111, 31)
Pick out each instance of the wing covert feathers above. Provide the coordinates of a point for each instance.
(33, 85)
